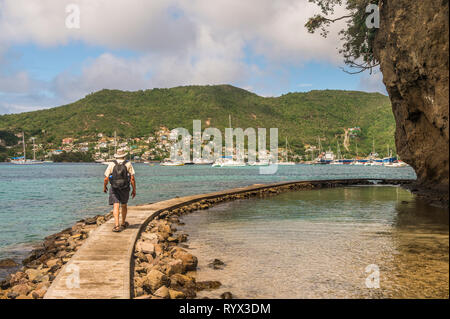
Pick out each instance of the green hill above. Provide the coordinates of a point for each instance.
(302, 117)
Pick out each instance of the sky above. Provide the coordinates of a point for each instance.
(49, 57)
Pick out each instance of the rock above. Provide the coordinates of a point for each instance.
(216, 264)
(174, 267)
(226, 295)
(33, 274)
(175, 294)
(208, 285)
(91, 221)
(145, 247)
(43, 278)
(17, 277)
(413, 52)
(141, 257)
(76, 236)
(100, 220)
(24, 297)
(182, 238)
(8, 263)
(12, 295)
(4, 284)
(155, 279)
(39, 293)
(162, 236)
(189, 261)
(144, 297)
(22, 289)
(139, 281)
(158, 249)
(165, 228)
(162, 292)
(171, 239)
(139, 291)
(150, 237)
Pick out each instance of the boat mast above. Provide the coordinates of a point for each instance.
(34, 149)
(320, 146)
(287, 150)
(23, 143)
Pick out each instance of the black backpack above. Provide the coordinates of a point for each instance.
(119, 179)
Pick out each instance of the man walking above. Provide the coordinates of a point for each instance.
(120, 174)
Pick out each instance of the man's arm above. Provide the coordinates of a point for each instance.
(105, 184)
(133, 184)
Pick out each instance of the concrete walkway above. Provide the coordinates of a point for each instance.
(103, 263)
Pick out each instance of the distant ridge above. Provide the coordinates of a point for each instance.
(300, 116)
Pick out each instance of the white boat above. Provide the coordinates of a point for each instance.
(108, 161)
(23, 160)
(286, 163)
(227, 162)
(202, 161)
(167, 162)
(232, 163)
(260, 163)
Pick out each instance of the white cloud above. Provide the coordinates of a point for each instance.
(178, 42)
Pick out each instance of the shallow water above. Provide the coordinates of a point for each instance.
(317, 244)
(39, 200)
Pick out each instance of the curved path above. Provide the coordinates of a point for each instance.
(101, 268)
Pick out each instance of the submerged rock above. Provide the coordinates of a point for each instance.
(208, 285)
(8, 263)
(226, 295)
(216, 264)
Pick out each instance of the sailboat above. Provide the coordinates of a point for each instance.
(23, 160)
(286, 159)
(326, 158)
(110, 160)
(228, 161)
(356, 160)
(338, 160)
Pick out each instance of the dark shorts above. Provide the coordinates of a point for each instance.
(118, 196)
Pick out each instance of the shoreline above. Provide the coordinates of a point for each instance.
(43, 265)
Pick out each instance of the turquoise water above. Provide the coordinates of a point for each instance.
(319, 243)
(43, 199)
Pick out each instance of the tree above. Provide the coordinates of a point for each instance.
(358, 38)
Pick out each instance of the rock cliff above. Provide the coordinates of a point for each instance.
(412, 47)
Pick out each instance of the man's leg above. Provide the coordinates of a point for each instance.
(124, 213)
(116, 213)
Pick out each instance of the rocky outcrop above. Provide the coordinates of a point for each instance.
(412, 47)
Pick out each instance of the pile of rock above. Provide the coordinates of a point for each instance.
(162, 266)
(44, 263)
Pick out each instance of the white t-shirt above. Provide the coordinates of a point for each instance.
(111, 165)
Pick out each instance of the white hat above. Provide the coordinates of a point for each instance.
(121, 153)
